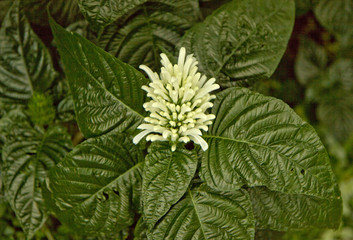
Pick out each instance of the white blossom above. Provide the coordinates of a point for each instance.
(179, 99)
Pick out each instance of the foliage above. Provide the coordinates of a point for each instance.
(71, 102)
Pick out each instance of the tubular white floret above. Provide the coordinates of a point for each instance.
(179, 98)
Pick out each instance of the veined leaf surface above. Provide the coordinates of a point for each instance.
(206, 214)
(260, 141)
(166, 178)
(28, 153)
(107, 93)
(244, 39)
(283, 212)
(25, 63)
(94, 188)
(155, 27)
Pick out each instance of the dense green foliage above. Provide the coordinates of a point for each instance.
(70, 69)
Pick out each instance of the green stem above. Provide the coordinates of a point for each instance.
(47, 232)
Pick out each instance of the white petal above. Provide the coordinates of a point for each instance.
(139, 136)
(149, 72)
(181, 59)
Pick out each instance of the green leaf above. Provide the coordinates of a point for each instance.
(257, 140)
(4, 6)
(206, 214)
(92, 190)
(104, 12)
(244, 39)
(25, 63)
(311, 61)
(140, 231)
(155, 28)
(335, 112)
(66, 109)
(28, 153)
(334, 94)
(107, 93)
(283, 212)
(337, 17)
(166, 178)
(63, 11)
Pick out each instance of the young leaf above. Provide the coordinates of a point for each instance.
(259, 141)
(25, 63)
(206, 214)
(244, 39)
(107, 93)
(283, 212)
(101, 13)
(157, 26)
(166, 178)
(27, 155)
(92, 190)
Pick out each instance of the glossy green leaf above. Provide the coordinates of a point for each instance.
(244, 39)
(92, 190)
(311, 61)
(283, 212)
(28, 153)
(206, 214)
(257, 140)
(166, 178)
(25, 63)
(154, 28)
(107, 93)
(337, 17)
(104, 12)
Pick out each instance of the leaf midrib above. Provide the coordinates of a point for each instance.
(110, 184)
(21, 46)
(197, 213)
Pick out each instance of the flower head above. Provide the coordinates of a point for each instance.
(179, 99)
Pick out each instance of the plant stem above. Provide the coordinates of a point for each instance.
(47, 232)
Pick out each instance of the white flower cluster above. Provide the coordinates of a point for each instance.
(180, 96)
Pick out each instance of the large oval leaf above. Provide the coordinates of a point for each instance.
(93, 188)
(28, 153)
(244, 39)
(107, 93)
(166, 178)
(206, 214)
(25, 63)
(283, 212)
(101, 13)
(260, 141)
(153, 28)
